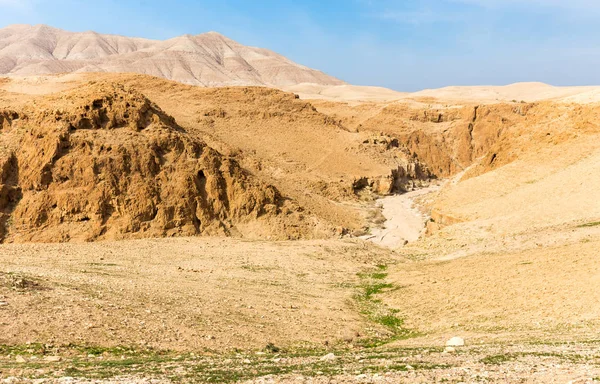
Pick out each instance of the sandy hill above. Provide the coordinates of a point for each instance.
(321, 156)
(106, 162)
(258, 138)
(208, 59)
(518, 92)
(344, 92)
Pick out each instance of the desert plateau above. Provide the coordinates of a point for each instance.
(196, 210)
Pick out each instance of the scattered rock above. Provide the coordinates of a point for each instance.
(20, 359)
(450, 350)
(455, 342)
(52, 359)
(328, 357)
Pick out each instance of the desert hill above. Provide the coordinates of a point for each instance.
(322, 157)
(345, 92)
(242, 161)
(520, 92)
(106, 162)
(208, 59)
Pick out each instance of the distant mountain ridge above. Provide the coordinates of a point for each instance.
(209, 59)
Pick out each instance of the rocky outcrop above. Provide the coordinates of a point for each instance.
(449, 140)
(109, 164)
(402, 179)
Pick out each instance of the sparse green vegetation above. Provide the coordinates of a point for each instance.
(103, 264)
(18, 282)
(256, 268)
(588, 225)
(91, 362)
(498, 359)
(372, 284)
(503, 358)
(379, 275)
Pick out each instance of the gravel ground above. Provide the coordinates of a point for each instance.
(519, 363)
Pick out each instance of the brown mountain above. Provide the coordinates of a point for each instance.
(209, 59)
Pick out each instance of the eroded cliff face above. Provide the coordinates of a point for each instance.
(450, 140)
(106, 163)
(474, 140)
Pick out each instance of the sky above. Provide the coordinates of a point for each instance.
(406, 45)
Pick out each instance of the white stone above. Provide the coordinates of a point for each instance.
(455, 342)
(328, 357)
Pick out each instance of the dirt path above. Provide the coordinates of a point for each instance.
(405, 223)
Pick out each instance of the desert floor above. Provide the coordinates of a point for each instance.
(225, 310)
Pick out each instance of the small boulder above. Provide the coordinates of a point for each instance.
(328, 357)
(20, 359)
(455, 342)
(52, 359)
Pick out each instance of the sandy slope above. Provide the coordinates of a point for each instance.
(519, 92)
(517, 256)
(527, 92)
(344, 92)
(184, 294)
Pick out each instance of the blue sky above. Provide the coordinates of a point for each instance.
(406, 45)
